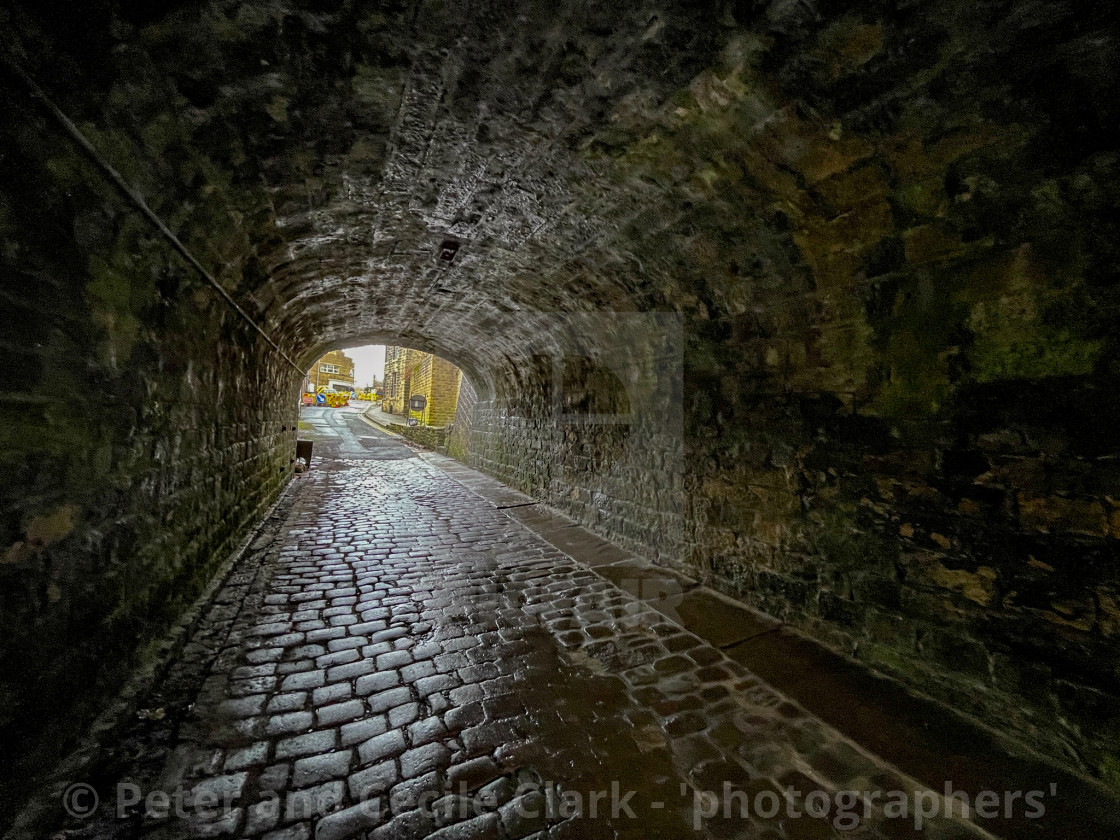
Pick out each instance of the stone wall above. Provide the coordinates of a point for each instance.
(431, 437)
(611, 456)
(892, 238)
(459, 436)
(970, 556)
(444, 388)
(144, 430)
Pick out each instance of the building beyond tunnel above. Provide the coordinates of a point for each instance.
(334, 371)
(410, 373)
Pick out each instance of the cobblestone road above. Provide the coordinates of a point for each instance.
(404, 659)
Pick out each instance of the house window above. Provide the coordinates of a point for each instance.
(330, 369)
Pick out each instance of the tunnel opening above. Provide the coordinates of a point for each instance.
(409, 393)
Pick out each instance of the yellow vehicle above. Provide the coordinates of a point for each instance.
(328, 397)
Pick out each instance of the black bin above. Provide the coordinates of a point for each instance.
(303, 451)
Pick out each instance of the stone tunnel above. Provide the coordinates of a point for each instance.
(786, 455)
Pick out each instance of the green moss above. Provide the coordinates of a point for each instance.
(66, 169)
(919, 378)
(107, 286)
(888, 659)
(1109, 768)
(162, 133)
(1011, 344)
(277, 108)
(917, 340)
(1027, 320)
(847, 546)
(922, 198)
(378, 87)
(117, 148)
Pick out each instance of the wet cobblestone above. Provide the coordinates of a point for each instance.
(410, 661)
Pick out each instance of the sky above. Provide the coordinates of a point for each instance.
(369, 363)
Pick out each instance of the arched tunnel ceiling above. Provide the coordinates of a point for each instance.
(559, 144)
(379, 133)
(754, 167)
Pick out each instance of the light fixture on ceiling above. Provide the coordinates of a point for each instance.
(448, 249)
